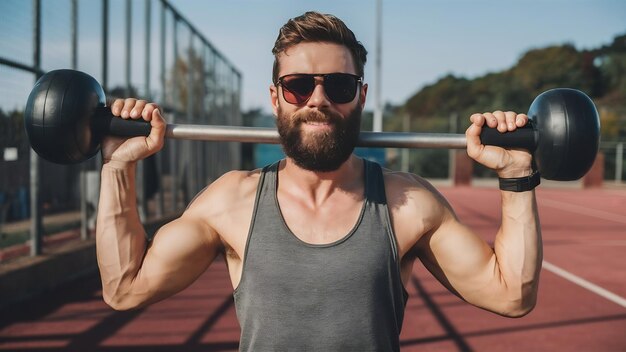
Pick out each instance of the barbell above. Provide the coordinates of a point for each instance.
(66, 118)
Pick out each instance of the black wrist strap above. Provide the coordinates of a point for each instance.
(520, 184)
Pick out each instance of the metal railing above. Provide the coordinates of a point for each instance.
(120, 43)
(613, 161)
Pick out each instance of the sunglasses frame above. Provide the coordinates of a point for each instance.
(279, 82)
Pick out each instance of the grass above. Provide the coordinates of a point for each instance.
(10, 239)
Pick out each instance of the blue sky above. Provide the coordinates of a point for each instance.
(422, 40)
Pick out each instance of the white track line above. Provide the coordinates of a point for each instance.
(621, 301)
(578, 209)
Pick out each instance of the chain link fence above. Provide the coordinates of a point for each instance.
(143, 49)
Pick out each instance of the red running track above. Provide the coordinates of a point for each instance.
(584, 241)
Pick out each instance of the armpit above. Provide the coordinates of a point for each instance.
(229, 251)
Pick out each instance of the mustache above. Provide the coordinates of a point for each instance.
(315, 116)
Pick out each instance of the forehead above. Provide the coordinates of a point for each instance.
(316, 57)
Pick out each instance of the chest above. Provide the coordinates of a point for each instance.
(277, 256)
(325, 292)
(321, 224)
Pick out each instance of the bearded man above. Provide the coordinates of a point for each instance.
(320, 245)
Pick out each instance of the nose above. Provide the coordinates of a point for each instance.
(318, 97)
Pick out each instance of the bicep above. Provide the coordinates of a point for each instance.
(460, 259)
(179, 253)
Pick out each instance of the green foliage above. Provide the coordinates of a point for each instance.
(431, 163)
(557, 66)
(441, 98)
(601, 73)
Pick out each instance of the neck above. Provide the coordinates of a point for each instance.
(320, 185)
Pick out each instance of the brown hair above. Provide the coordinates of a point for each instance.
(316, 27)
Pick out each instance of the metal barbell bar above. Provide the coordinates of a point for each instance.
(269, 135)
(66, 119)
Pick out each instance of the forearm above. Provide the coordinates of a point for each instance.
(120, 237)
(518, 247)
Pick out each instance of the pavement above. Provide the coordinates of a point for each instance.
(581, 300)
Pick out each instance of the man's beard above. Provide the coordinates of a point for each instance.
(319, 151)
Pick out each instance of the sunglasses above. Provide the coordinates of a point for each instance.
(340, 88)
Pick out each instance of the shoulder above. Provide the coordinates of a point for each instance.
(230, 190)
(416, 206)
(403, 188)
(238, 181)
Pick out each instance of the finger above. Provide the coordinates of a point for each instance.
(490, 120)
(156, 137)
(116, 107)
(472, 136)
(510, 117)
(521, 120)
(501, 120)
(477, 119)
(128, 106)
(148, 111)
(136, 111)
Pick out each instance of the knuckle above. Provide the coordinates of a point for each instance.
(499, 114)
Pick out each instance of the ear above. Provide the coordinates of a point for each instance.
(363, 95)
(274, 99)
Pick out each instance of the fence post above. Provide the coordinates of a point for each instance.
(595, 176)
(453, 122)
(192, 182)
(36, 229)
(463, 169)
(619, 160)
(105, 45)
(174, 164)
(404, 152)
(84, 230)
(161, 157)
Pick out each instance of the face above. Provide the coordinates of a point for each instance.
(324, 146)
(318, 134)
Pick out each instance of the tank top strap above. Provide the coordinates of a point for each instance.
(269, 175)
(374, 183)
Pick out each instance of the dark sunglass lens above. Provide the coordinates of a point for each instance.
(340, 88)
(297, 89)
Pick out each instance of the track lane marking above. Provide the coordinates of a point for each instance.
(621, 301)
(578, 209)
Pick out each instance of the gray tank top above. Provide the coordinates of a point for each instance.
(342, 296)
